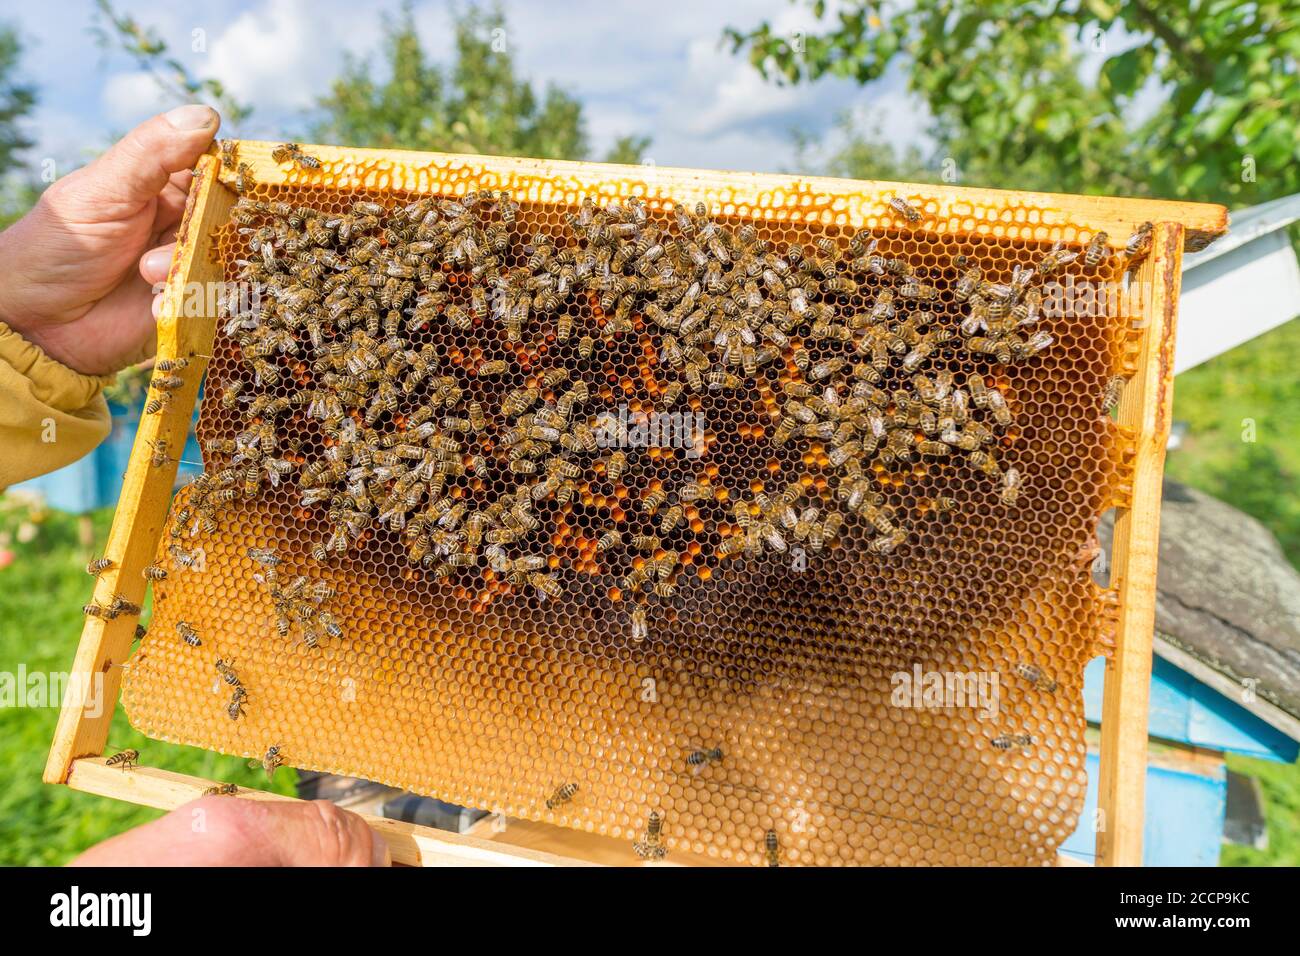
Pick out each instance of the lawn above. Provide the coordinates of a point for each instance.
(41, 594)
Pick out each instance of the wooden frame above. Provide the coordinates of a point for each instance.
(81, 737)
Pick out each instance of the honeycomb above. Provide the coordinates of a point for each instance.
(756, 691)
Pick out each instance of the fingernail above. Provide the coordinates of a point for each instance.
(157, 262)
(379, 851)
(193, 116)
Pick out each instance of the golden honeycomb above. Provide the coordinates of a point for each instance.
(761, 695)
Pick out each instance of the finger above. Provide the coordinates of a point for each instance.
(320, 834)
(171, 202)
(228, 831)
(140, 164)
(156, 263)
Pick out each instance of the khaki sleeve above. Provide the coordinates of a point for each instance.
(49, 415)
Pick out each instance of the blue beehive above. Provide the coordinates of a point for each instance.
(95, 481)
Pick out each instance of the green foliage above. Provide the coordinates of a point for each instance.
(16, 102)
(41, 594)
(476, 105)
(1011, 103)
(152, 54)
(1254, 386)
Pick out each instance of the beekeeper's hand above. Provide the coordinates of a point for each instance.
(80, 266)
(229, 831)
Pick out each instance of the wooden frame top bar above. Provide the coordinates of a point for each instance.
(856, 203)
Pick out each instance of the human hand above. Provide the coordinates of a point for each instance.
(228, 831)
(80, 266)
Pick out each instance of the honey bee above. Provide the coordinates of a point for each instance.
(229, 152)
(1111, 394)
(1096, 251)
(997, 404)
(1139, 242)
(188, 633)
(98, 566)
(670, 518)
(271, 761)
(159, 456)
(154, 572)
(650, 846)
(698, 759)
(126, 759)
(886, 543)
(292, 152)
(99, 611)
(562, 795)
(904, 209)
(184, 559)
(1056, 258)
(772, 848)
(1008, 741)
(157, 404)
(227, 672)
(1035, 676)
(243, 178)
(223, 789)
(121, 605)
(235, 709)
(640, 627)
(1011, 486)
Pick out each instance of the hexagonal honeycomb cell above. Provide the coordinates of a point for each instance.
(877, 471)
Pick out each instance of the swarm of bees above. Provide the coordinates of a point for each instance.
(350, 300)
(300, 603)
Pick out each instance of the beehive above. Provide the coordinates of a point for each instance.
(491, 694)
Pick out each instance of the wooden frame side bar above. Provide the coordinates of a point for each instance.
(185, 329)
(1144, 412)
(408, 843)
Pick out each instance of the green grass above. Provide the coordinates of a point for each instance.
(41, 594)
(1254, 383)
(1281, 785)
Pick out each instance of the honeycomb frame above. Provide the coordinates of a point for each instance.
(1134, 454)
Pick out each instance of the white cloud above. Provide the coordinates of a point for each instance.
(283, 54)
(128, 98)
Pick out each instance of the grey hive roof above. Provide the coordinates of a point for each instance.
(1226, 594)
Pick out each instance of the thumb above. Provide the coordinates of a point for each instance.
(138, 165)
(232, 831)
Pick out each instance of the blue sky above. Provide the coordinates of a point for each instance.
(654, 69)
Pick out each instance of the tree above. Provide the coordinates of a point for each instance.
(17, 100)
(1013, 105)
(478, 104)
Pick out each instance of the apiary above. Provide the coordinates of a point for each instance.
(731, 516)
